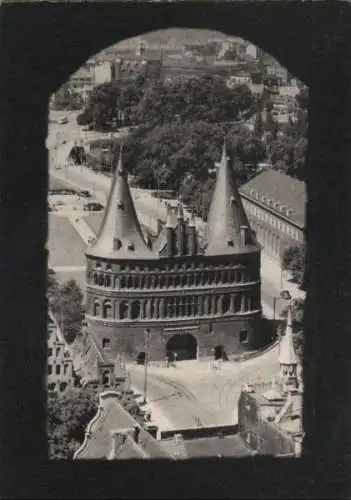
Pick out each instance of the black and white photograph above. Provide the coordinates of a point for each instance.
(175, 242)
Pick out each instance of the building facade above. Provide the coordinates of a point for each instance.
(60, 376)
(197, 298)
(275, 206)
(270, 413)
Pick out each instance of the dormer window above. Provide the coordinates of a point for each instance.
(130, 245)
(117, 243)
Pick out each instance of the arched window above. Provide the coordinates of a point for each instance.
(123, 309)
(95, 278)
(129, 282)
(225, 304)
(96, 308)
(106, 343)
(197, 279)
(107, 310)
(123, 282)
(135, 309)
(237, 302)
(217, 304)
(210, 305)
(177, 280)
(142, 282)
(101, 280)
(108, 280)
(162, 281)
(191, 279)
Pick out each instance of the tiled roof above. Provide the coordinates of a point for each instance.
(227, 216)
(109, 435)
(282, 189)
(227, 446)
(120, 235)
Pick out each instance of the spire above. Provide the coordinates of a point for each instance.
(226, 215)
(287, 355)
(120, 234)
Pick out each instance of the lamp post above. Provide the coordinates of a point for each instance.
(147, 337)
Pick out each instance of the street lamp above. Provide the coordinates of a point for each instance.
(284, 295)
(147, 338)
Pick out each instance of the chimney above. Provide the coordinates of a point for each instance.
(169, 233)
(192, 235)
(244, 235)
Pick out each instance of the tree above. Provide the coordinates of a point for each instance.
(297, 309)
(52, 285)
(67, 307)
(68, 415)
(294, 261)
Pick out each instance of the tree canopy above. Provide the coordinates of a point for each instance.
(66, 304)
(294, 261)
(68, 415)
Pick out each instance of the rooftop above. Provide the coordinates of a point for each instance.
(114, 434)
(226, 446)
(281, 188)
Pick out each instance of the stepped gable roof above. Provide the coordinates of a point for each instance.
(109, 435)
(227, 215)
(120, 235)
(282, 189)
(174, 217)
(287, 354)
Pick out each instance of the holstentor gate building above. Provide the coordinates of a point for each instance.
(198, 297)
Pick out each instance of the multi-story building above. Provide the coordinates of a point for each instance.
(196, 297)
(275, 206)
(60, 376)
(270, 413)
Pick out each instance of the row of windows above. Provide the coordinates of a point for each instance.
(57, 386)
(273, 221)
(171, 267)
(171, 281)
(58, 369)
(170, 307)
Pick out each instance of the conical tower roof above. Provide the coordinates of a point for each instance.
(287, 354)
(120, 235)
(227, 215)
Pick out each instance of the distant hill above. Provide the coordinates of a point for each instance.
(175, 37)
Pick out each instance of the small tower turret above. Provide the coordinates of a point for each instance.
(287, 357)
(192, 235)
(169, 232)
(180, 228)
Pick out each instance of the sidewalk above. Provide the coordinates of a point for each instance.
(271, 271)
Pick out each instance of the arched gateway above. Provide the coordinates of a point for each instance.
(181, 346)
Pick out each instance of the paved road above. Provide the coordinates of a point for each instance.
(194, 395)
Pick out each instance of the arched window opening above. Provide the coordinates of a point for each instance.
(63, 386)
(123, 309)
(225, 304)
(142, 282)
(107, 281)
(129, 282)
(106, 343)
(210, 305)
(106, 378)
(191, 280)
(95, 278)
(96, 308)
(135, 309)
(122, 282)
(177, 280)
(101, 280)
(217, 304)
(184, 280)
(197, 279)
(107, 310)
(237, 302)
